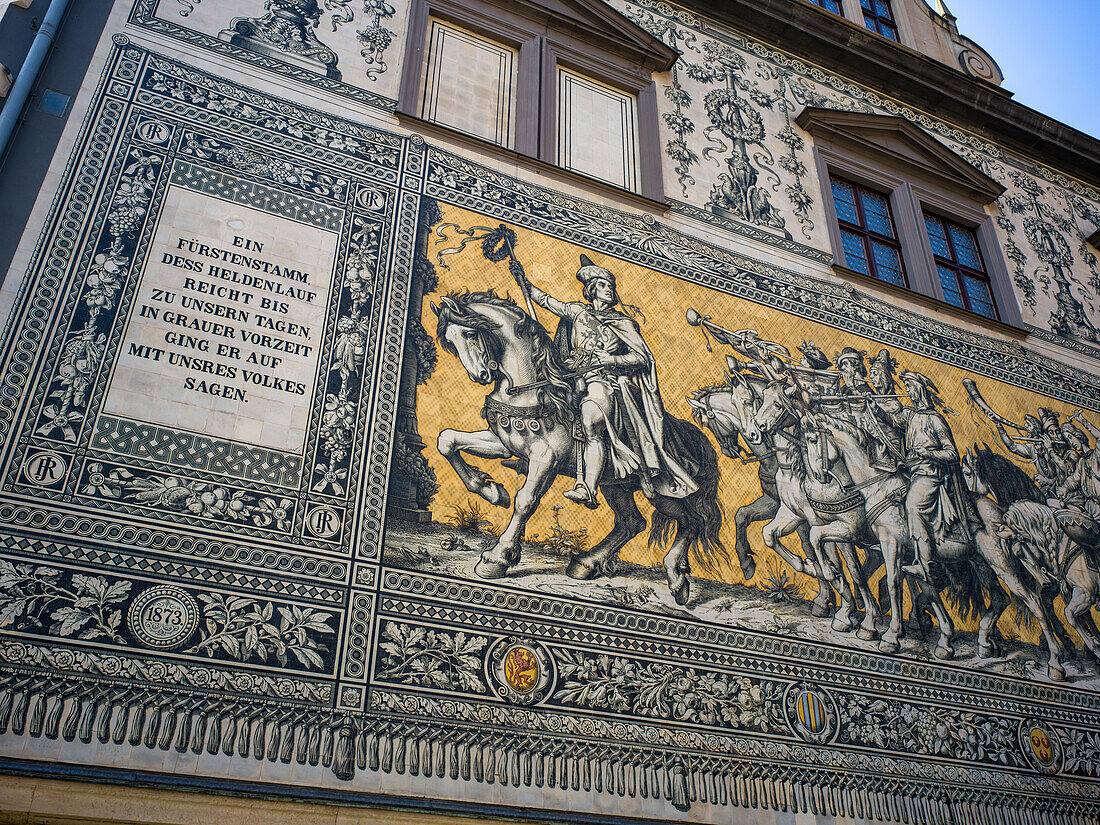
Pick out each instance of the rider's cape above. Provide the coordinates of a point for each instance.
(639, 440)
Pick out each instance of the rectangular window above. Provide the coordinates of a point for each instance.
(469, 84)
(867, 232)
(829, 5)
(597, 130)
(878, 17)
(959, 266)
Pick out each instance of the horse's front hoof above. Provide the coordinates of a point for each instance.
(885, 646)
(748, 568)
(843, 623)
(944, 652)
(485, 569)
(1057, 673)
(581, 569)
(494, 493)
(681, 591)
(866, 634)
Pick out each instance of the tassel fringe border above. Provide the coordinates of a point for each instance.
(342, 742)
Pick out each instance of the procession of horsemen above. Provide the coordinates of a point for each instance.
(854, 453)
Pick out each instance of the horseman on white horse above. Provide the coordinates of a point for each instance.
(937, 504)
(621, 412)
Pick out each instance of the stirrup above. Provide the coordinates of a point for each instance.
(582, 495)
(933, 574)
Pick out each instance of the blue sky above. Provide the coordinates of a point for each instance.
(1049, 51)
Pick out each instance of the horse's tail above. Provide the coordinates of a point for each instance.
(703, 506)
(969, 583)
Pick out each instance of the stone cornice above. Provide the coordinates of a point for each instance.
(907, 75)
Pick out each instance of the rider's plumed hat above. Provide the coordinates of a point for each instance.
(815, 358)
(1047, 414)
(589, 272)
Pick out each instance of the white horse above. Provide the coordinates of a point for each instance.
(884, 495)
(776, 416)
(529, 417)
(995, 484)
(1037, 536)
(727, 410)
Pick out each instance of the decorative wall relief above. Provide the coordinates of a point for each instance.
(368, 469)
(677, 121)
(375, 37)
(338, 46)
(739, 191)
(770, 83)
(286, 33)
(1044, 226)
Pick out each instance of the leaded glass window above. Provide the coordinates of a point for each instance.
(959, 265)
(867, 232)
(879, 17)
(829, 5)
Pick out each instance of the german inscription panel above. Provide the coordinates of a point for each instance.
(230, 308)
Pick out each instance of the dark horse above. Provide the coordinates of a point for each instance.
(501, 345)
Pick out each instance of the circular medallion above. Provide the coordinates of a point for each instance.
(45, 468)
(1041, 745)
(811, 713)
(163, 617)
(323, 521)
(521, 671)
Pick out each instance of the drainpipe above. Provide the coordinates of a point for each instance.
(28, 74)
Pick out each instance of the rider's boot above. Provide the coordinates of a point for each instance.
(927, 567)
(585, 490)
(583, 494)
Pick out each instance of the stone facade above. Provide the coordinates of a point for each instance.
(295, 383)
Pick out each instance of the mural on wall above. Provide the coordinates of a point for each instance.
(852, 453)
(1044, 218)
(333, 460)
(919, 511)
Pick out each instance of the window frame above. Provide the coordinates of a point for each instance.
(820, 5)
(974, 217)
(542, 48)
(911, 190)
(867, 235)
(898, 193)
(423, 88)
(876, 18)
(955, 263)
(634, 170)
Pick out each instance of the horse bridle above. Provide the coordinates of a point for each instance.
(752, 457)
